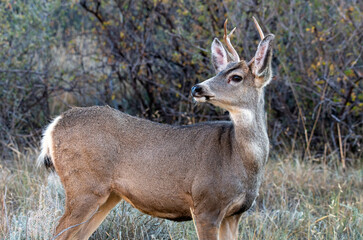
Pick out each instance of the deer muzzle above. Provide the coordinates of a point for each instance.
(199, 94)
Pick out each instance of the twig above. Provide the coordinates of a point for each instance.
(294, 140)
(342, 158)
(302, 120)
(5, 210)
(325, 149)
(76, 225)
(298, 106)
(195, 225)
(307, 149)
(22, 71)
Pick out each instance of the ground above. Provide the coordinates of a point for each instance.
(298, 200)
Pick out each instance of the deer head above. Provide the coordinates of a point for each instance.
(238, 84)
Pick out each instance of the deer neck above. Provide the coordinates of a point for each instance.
(251, 135)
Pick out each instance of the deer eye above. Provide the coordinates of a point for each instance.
(235, 78)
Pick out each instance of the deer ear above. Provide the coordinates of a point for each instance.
(262, 59)
(219, 56)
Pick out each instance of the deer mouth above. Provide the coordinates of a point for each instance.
(203, 98)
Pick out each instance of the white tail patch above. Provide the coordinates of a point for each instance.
(47, 142)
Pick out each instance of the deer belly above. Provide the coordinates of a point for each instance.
(169, 205)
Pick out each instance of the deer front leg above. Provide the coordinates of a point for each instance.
(229, 228)
(207, 226)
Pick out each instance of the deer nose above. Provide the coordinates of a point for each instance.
(196, 90)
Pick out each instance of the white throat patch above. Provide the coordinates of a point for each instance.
(242, 116)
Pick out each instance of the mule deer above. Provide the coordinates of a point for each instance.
(209, 171)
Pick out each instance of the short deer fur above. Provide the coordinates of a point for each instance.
(209, 171)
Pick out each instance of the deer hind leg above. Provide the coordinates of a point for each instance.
(229, 228)
(98, 218)
(79, 210)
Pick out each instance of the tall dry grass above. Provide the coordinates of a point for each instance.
(297, 201)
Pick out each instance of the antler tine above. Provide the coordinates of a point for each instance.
(232, 52)
(262, 36)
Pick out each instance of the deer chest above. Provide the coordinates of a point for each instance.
(241, 204)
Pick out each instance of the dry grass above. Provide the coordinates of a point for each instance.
(297, 201)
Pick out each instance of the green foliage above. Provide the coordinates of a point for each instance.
(142, 57)
(29, 72)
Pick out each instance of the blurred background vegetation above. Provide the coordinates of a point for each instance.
(142, 57)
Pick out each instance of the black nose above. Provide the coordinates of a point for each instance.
(196, 90)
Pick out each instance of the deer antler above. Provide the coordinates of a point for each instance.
(262, 36)
(232, 52)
